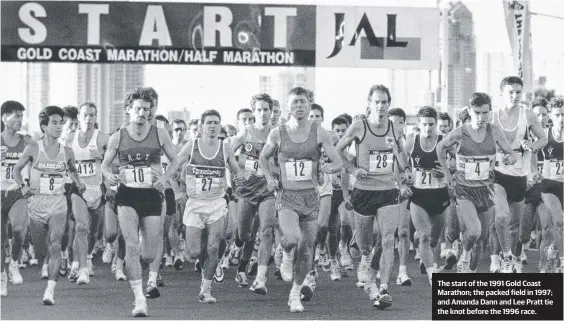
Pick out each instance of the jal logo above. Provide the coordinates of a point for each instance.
(389, 142)
(372, 46)
(515, 5)
(248, 147)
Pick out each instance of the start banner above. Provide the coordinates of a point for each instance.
(220, 34)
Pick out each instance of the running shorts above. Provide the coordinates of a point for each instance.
(170, 201)
(42, 207)
(515, 186)
(9, 198)
(482, 196)
(327, 188)
(145, 201)
(254, 190)
(533, 196)
(433, 201)
(305, 203)
(202, 213)
(367, 203)
(550, 186)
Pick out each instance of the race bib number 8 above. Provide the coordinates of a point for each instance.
(477, 171)
(138, 177)
(298, 170)
(556, 168)
(381, 163)
(252, 165)
(51, 184)
(86, 168)
(424, 179)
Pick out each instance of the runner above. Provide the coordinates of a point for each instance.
(275, 116)
(254, 196)
(299, 156)
(193, 129)
(381, 161)
(46, 204)
(206, 208)
(14, 205)
(140, 204)
(472, 183)
(444, 123)
(510, 180)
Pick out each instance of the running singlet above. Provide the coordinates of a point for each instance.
(299, 162)
(164, 160)
(475, 161)
(139, 159)
(47, 175)
(376, 155)
(423, 163)
(515, 136)
(13, 154)
(205, 177)
(554, 164)
(88, 169)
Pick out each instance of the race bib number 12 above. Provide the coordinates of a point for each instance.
(298, 170)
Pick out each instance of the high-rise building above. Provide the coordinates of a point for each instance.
(177, 114)
(494, 67)
(462, 56)
(278, 84)
(36, 80)
(107, 85)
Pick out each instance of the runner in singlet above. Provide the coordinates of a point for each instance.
(553, 174)
(140, 204)
(88, 145)
(510, 180)
(298, 142)
(14, 206)
(206, 160)
(472, 183)
(254, 196)
(381, 163)
(276, 113)
(47, 207)
(430, 196)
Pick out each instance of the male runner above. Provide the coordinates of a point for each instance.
(472, 182)
(254, 196)
(275, 117)
(206, 208)
(88, 145)
(140, 205)
(510, 180)
(444, 123)
(14, 205)
(193, 129)
(298, 143)
(47, 205)
(380, 162)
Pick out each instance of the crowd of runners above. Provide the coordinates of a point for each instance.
(282, 193)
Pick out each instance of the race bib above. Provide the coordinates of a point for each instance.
(298, 170)
(86, 168)
(424, 179)
(556, 169)
(252, 165)
(476, 170)
(8, 172)
(138, 176)
(204, 180)
(381, 162)
(517, 165)
(207, 185)
(51, 184)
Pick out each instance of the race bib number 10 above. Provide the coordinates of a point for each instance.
(138, 177)
(298, 170)
(51, 184)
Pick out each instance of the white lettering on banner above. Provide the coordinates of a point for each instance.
(280, 23)
(142, 55)
(37, 32)
(256, 57)
(155, 28)
(218, 19)
(93, 20)
(79, 54)
(34, 53)
(199, 56)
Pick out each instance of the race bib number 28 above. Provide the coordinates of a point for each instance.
(381, 162)
(299, 170)
(138, 177)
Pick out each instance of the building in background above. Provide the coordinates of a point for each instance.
(177, 114)
(106, 85)
(279, 83)
(493, 68)
(36, 94)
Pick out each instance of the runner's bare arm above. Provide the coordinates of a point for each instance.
(28, 139)
(272, 142)
(453, 138)
(327, 144)
(353, 133)
(230, 156)
(178, 160)
(71, 168)
(537, 130)
(29, 154)
(238, 140)
(110, 155)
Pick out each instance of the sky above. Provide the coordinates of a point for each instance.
(228, 89)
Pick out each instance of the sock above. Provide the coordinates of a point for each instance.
(152, 277)
(403, 269)
(296, 288)
(206, 285)
(383, 286)
(436, 266)
(89, 257)
(75, 265)
(465, 255)
(137, 287)
(51, 285)
(119, 264)
(430, 270)
(365, 259)
(65, 254)
(507, 254)
(261, 271)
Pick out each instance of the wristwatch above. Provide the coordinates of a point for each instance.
(22, 185)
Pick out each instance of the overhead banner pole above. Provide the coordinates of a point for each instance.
(518, 22)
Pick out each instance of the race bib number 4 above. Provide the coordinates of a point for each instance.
(252, 165)
(138, 176)
(86, 168)
(298, 170)
(556, 168)
(424, 179)
(51, 184)
(477, 170)
(381, 162)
